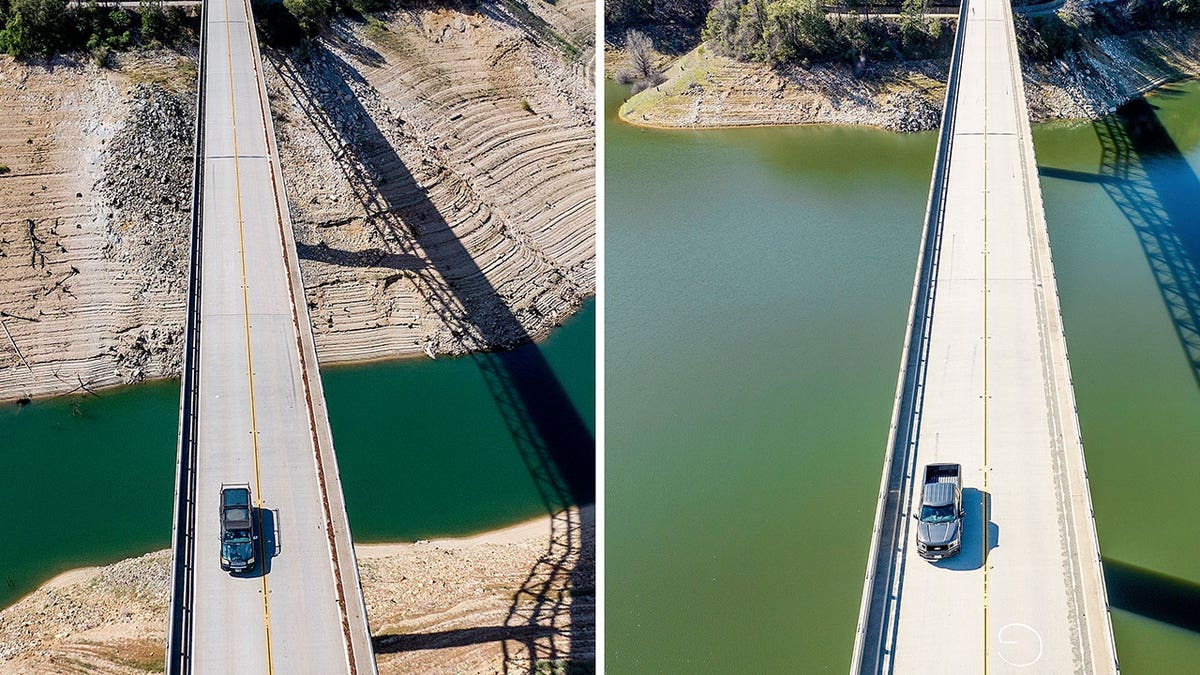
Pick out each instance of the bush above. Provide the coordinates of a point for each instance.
(278, 26)
(312, 15)
(35, 27)
(796, 29)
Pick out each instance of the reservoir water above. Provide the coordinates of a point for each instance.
(757, 289)
(423, 448)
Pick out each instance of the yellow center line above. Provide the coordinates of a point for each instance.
(985, 506)
(237, 177)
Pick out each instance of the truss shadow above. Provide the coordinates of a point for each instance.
(557, 447)
(1150, 181)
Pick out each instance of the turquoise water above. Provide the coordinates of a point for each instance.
(422, 448)
(757, 288)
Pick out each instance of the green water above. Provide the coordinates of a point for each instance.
(757, 288)
(422, 449)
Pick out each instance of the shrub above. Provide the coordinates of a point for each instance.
(312, 15)
(35, 27)
(796, 29)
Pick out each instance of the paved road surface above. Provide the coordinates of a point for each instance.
(261, 408)
(1026, 593)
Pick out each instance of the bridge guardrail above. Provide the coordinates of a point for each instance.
(910, 359)
(183, 548)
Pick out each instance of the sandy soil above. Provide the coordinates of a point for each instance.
(512, 600)
(442, 190)
(705, 90)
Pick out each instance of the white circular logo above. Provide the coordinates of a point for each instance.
(1020, 645)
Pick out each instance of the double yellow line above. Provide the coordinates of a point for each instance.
(237, 176)
(985, 505)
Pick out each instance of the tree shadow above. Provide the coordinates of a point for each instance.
(1150, 181)
(977, 506)
(555, 443)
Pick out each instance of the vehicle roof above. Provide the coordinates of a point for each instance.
(236, 518)
(235, 495)
(939, 494)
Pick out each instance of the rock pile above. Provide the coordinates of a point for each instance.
(146, 184)
(911, 111)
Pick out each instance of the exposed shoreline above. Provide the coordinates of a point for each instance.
(113, 617)
(476, 136)
(704, 90)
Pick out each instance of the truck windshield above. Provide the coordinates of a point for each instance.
(937, 514)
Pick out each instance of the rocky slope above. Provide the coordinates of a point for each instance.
(440, 173)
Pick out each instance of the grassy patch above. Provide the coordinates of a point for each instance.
(687, 78)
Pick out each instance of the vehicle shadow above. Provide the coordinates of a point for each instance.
(972, 556)
(556, 445)
(267, 546)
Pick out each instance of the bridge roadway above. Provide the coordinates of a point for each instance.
(260, 412)
(985, 382)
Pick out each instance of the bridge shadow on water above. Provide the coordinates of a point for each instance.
(1148, 178)
(1153, 595)
(411, 235)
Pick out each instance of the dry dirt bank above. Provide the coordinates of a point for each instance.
(705, 90)
(443, 184)
(442, 191)
(445, 606)
(74, 309)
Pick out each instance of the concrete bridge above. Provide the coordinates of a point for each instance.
(985, 381)
(252, 408)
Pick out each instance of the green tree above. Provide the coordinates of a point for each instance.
(721, 26)
(752, 22)
(913, 32)
(1183, 7)
(311, 14)
(796, 29)
(34, 26)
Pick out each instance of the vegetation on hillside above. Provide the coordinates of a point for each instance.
(782, 32)
(45, 27)
(801, 31)
(1050, 36)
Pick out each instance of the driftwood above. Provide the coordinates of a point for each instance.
(14, 346)
(10, 315)
(34, 245)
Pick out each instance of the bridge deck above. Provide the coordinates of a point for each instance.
(988, 385)
(261, 414)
